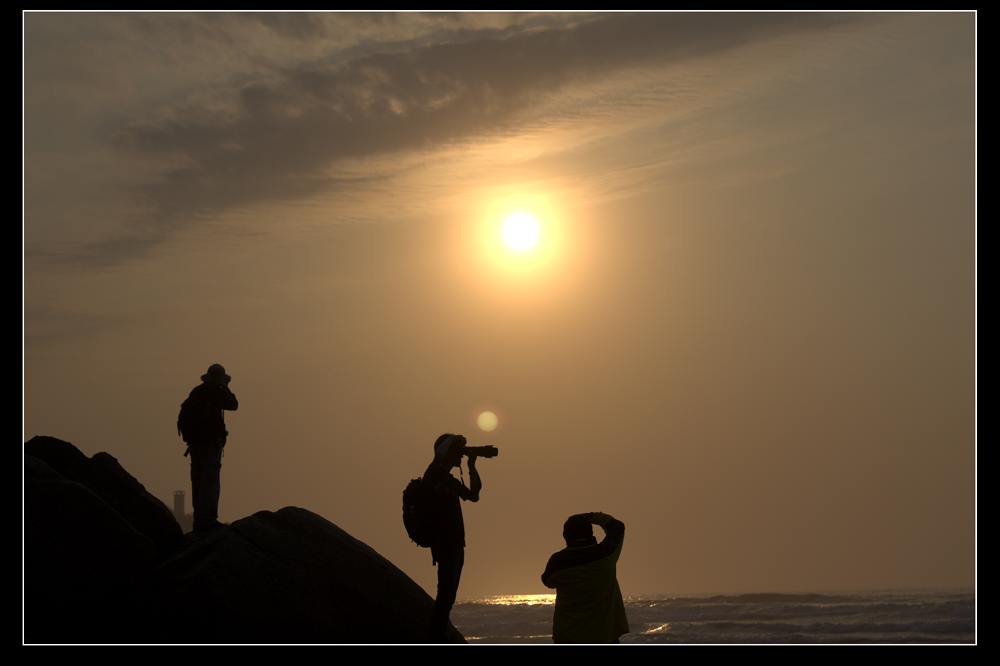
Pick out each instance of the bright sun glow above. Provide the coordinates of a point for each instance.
(522, 237)
(521, 231)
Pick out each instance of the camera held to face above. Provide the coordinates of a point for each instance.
(480, 451)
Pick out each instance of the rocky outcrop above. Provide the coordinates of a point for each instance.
(108, 480)
(102, 565)
(290, 577)
(83, 563)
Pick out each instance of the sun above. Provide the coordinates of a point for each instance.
(521, 232)
(522, 236)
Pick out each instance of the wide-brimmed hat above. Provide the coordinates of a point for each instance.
(216, 373)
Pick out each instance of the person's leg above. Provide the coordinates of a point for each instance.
(450, 562)
(195, 484)
(206, 465)
(213, 483)
(197, 464)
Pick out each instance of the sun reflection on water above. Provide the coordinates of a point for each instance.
(518, 599)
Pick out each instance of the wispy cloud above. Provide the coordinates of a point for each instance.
(273, 131)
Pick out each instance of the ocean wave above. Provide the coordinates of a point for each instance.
(768, 598)
(802, 600)
(751, 618)
(934, 627)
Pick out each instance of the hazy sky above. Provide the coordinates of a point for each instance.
(747, 332)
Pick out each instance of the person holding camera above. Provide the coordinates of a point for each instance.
(448, 547)
(589, 606)
(205, 434)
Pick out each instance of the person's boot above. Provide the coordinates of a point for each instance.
(205, 526)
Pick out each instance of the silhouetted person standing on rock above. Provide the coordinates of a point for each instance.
(203, 428)
(448, 546)
(589, 606)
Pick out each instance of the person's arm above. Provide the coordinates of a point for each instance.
(614, 530)
(229, 402)
(469, 494)
(603, 520)
(548, 576)
(610, 546)
(474, 481)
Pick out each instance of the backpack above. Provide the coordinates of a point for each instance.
(192, 421)
(420, 512)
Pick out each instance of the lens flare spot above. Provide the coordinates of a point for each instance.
(487, 421)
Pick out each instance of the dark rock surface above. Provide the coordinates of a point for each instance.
(83, 563)
(108, 480)
(100, 566)
(290, 577)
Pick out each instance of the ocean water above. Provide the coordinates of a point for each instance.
(867, 617)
